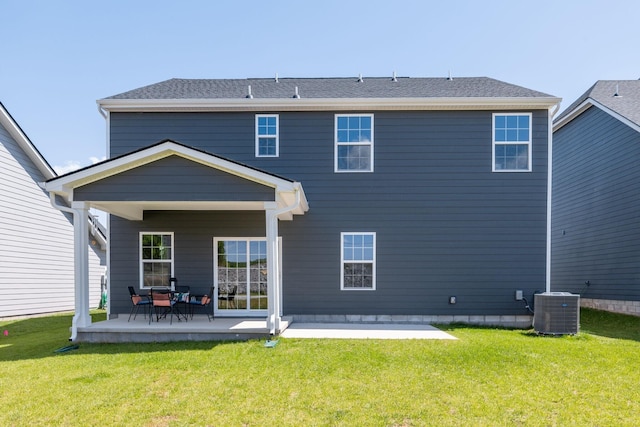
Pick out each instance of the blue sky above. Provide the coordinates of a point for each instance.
(59, 57)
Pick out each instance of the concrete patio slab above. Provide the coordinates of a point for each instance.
(365, 331)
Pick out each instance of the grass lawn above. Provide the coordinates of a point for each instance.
(488, 377)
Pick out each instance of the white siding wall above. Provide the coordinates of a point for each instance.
(36, 242)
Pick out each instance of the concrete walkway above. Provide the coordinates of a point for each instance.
(365, 331)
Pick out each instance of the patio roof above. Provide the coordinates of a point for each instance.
(286, 192)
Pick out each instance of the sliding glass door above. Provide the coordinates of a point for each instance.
(240, 266)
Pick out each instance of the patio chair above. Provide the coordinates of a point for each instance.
(138, 301)
(182, 288)
(203, 302)
(161, 300)
(230, 297)
(181, 295)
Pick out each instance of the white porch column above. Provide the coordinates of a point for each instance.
(81, 266)
(274, 286)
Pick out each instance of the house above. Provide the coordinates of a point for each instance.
(328, 199)
(596, 197)
(37, 250)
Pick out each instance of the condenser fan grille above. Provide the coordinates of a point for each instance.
(556, 313)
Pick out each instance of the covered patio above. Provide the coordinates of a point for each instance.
(145, 180)
(199, 328)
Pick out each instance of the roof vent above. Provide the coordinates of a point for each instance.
(277, 81)
(617, 94)
(249, 95)
(450, 76)
(394, 78)
(296, 95)
(360, 79)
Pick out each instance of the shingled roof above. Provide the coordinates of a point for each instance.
(329, 88)
(619, 96)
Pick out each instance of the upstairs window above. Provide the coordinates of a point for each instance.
(156, 259)
(267, 135)
(512, 142)
(354, 143)
(358, 253)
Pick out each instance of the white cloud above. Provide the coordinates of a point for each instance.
(72, 165)
(95, 160)
(69, 166)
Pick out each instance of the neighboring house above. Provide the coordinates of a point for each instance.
(37, 250)
(375, 199)
(596, 197)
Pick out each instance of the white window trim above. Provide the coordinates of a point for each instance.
(276, 136)
(336, 144)
(494, 142)
(342, 261)
(141, 261)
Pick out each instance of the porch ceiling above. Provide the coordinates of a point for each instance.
(135, 210)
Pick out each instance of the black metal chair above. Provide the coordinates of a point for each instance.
(161, 299)
(182, 296)
(138, 301)
(204, 302)
(230, 297)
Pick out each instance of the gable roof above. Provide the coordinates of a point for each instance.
(7, 121)
(96, 228)
(620, 98)
(165, 143)
(317, 93)
(286, 191)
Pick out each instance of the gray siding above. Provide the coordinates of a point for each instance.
(596, 208)
(36, 242)
(174, 178)
(446, 225)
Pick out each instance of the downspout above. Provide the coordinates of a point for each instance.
(549, 188)
(74, 213)
(295, 205)
(101, 111)
(106, 115)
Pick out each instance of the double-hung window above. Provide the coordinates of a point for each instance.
(354, 143)
(267, 135)
(358, 255)
(512, 142)
(156, 259)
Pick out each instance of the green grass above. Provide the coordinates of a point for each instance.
(489, 377)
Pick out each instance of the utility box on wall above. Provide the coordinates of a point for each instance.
(556, 313)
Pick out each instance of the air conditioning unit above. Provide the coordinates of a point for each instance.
(556, 313)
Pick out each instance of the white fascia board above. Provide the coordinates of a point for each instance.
(585, 105)
(27, 146)
(108, 168)
(332, 104)
(589, 102)
(304, 204)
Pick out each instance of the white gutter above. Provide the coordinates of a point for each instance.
(549, 189)
(102, 112)
(295, 205)
(322, 104)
